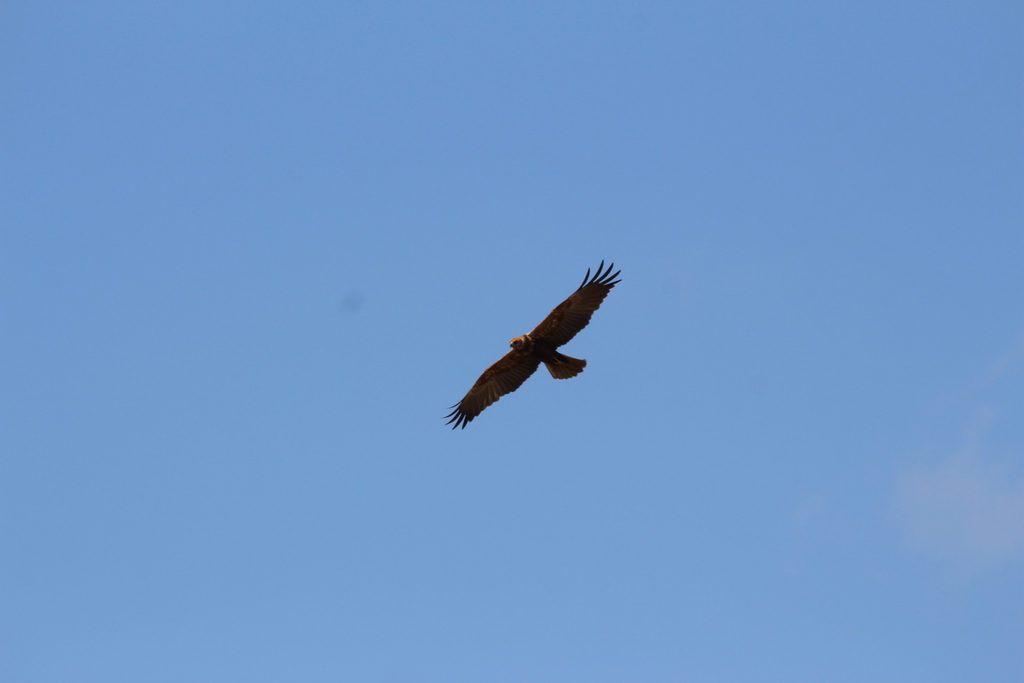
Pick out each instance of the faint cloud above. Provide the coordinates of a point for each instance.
(1008, 362)
(758, 384)
(966, 507)
(673, 288)
(969, 504)
(351, 302)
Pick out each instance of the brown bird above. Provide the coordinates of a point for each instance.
(539, 346)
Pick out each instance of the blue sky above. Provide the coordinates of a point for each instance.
(251, 252)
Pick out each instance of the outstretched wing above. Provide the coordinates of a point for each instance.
(573, 314)
(504, 377)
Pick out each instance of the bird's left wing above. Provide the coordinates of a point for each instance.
(504, 377)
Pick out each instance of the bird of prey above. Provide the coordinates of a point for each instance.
(539, 346)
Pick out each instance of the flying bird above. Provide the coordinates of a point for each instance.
(539, 346)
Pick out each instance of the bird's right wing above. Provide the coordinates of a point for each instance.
(504, 377)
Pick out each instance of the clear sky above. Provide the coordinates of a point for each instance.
(251, 252)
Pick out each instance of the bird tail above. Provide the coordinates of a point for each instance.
(564, 367)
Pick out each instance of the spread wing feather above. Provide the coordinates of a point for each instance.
(573, 314)
(504, 377)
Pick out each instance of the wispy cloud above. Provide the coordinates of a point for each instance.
(968, 504)
(966, 507)
(1011, 360)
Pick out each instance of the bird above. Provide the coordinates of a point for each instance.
(539, 346)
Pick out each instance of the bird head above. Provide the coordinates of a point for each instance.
(518, 342)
